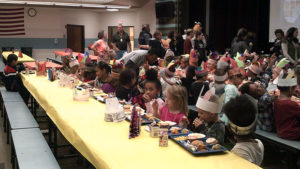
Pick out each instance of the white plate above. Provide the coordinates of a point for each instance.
(198, 135)
(171, 123)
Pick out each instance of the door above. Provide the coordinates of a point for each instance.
(128, 29)
(75, 38)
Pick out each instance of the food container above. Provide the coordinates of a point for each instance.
(154, 131)
(163, 134)
(163, 137)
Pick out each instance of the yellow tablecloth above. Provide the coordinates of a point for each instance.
(106, 145)
(25, 57)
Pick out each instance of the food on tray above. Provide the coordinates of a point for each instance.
(170, 123)
(126, 106)
(197, 142)
(164, 125)
(175, 128)
(211, 141)
(198, 135)
(138, 109)
(184, 131)
(216, 147)
(180, 138)
(192, 138)
(150, 118)
(85, 86)
(105, 96)
(174, 131)
(201, 147)
(122, 102)
(193, 148)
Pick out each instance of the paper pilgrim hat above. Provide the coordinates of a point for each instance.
(203, 103)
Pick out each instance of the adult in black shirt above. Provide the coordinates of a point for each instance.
(120, 41)
(200, 46)
(145, 37)
(276, 48)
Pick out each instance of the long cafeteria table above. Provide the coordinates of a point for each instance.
(106, 144)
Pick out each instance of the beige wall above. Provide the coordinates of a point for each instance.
(50, 23)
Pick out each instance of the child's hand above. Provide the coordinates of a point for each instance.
(146, 98)
(155, 105)
(197, 122)
(155, 109)
(184, 122)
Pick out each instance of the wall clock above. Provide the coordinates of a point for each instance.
(31, 12)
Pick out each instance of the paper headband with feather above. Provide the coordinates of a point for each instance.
(203, 103)
(242, 130)
(283, 63)
(289, 81)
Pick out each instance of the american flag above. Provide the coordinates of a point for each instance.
(12, 21)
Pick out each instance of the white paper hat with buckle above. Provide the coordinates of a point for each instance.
(289, 81)
(203, 103)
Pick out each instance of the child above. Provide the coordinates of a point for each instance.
(168, 77)
(66, 65)
(175, 108)
(235, 79)
(287, 112)
(102, 74)
(220, 76)
(184, 64)
(12, 79)
(187, 82)
(112, 83)
(201, 82)
(241, 114)
(208, 121)
(152, 90)
(126, 83)
(89, 72)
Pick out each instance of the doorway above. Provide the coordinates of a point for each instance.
(128, 29)
(75, 37)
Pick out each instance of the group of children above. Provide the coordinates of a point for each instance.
(229, 92)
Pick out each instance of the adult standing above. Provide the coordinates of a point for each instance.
(120, 42)
(145, 37)
(188, 42)
(100, 47)
(276, 48)
(198, 28)
(240, 45)
(290, 45)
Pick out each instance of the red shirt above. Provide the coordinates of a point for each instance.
(9, 69)
(187, 46)
(287, 118)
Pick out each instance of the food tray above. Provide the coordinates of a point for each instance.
(179, 131)
(100, 99)
(145, 122)
(197, 152)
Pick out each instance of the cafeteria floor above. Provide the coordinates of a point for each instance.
(273, 159)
